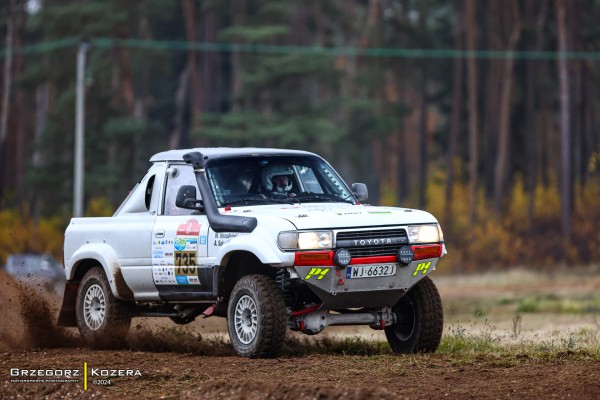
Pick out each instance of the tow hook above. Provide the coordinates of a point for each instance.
(209, 311)
(379, 325)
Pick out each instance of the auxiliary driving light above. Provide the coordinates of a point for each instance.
(342, 258)
(406, 254)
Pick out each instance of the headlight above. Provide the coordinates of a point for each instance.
(425, 234)
(305, 240)
(441, 233)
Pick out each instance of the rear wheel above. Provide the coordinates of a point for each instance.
(256, 317)
(420, 320)
(102, 319)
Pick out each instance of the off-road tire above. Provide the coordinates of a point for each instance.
(102, 319)
(256, 317)
(420, 320)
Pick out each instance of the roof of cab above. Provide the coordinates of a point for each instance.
(218, 152)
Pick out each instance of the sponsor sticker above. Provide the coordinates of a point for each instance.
(176, 275)
(190, 228)
(318, 273)
(422, 267)
(180, 244)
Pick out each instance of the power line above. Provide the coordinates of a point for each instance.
(255, 48)
(44, 47)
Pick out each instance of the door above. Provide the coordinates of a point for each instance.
(180, 267)
(129, 233)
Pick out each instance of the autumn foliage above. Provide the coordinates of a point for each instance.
(520, 236)
(20, 234)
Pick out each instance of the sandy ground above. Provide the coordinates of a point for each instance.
(196, 362)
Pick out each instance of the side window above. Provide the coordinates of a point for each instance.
(155, 194)
(148, 193)
(145, 196)
(309, 180)
(177, 176)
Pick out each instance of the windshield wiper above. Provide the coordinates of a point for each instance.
(246, 201)
(284, 200)
(321, 197)
(254, 200)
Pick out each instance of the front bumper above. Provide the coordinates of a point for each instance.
(336, 292)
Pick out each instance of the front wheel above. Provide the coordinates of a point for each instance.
(256, 317)
(102, 319)
(419, 320)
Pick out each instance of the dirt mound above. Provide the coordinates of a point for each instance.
(261, 389)
(51, 391)
(29, 316)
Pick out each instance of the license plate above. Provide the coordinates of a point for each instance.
(371, 271)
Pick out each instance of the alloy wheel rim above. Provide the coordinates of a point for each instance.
(94, 307)
(246, 319)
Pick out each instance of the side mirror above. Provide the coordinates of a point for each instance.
(360, 191)
(186, 198)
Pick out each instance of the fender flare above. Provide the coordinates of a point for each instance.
(108, 259)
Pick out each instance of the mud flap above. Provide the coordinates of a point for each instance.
(66, 317)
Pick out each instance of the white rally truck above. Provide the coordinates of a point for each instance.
(268, 238)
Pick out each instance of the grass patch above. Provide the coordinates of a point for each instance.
(461, 348)
(457, 345)
(467, 345)
(556, 305)
(464, 345)
(537, 303)
(459, 341)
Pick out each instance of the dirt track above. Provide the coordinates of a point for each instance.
(182, 364)
(175, 375)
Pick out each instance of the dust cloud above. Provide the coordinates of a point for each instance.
(29, 315)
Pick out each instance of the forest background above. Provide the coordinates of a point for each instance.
(485, 113)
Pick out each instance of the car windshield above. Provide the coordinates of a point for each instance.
(256, 180)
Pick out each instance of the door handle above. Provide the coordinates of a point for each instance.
(160, 233)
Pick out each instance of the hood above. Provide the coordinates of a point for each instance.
(336, 215)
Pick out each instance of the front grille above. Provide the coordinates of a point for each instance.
(372, 243)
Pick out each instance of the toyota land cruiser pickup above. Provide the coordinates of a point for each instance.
(270, 239)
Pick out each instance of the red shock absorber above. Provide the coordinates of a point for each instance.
(305, 311)
(340, 280)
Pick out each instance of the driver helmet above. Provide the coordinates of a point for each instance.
(271, 171)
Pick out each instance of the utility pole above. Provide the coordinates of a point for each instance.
(565, 123)
(79, 131)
